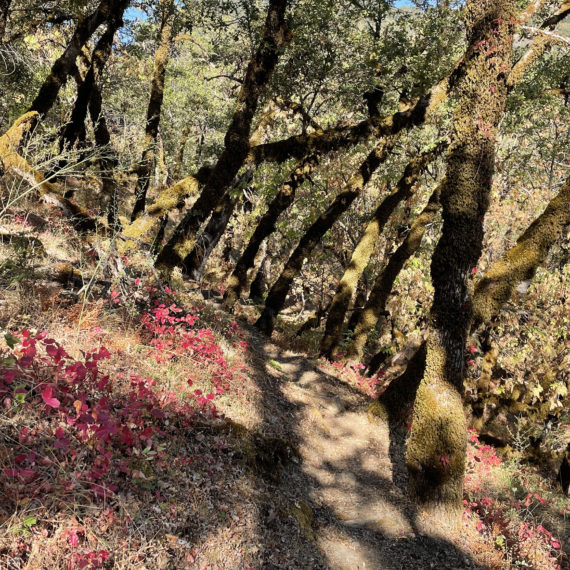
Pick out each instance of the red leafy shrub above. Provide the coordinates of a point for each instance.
(87, 434)
(507, 522)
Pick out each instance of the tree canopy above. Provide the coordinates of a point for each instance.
(372, 181)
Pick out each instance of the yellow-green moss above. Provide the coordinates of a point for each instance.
(304, 516)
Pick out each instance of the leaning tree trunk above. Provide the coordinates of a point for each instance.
(236, 149)
(491, 292)
(87, 91)
(161, 55)
(196, 260)
(64, 64)
(4, 12)
(521, 262)
(376, 305)
(107, 157)
(265, 227)
(99, 58)
(437, 446)
(278, 292)
(363, 251)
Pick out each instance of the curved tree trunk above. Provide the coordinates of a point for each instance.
(64, 64)
(196, 260)
(147, 225)
(236, 149)
(278, 292)
(363, 251)
(161, 55)
(376, 305)
(492, 291)
(437, 447)
(265, 227)
(521, 262)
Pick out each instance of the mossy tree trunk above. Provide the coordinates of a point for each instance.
(259, 284)
(92, 79)
(337, 138)
(196, 260)
(161, 56)
(107, 157)
(521, 262)
(265, 227)
(4, 13)
(147, 225)
(363, 251)
(64, 64)
(541, 44)
(236, 142)
(278, 292)
(376, 304)
(437, 446)
(494, 289)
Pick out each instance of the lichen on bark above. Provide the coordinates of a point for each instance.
(236, 142)
(436, 450)
(521, 261)
(363, 251)
(279, 290)
(376, 304)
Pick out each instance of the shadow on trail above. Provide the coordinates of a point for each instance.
(333, 501)
(347, 490)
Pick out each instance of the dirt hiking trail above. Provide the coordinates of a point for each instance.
(349, 483)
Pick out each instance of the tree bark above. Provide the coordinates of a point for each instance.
(384, 282)
(278, 292)
(196, 260)
(363, 251)
(436, 450)
(4, 12)
(99, 58)
(337, 138)
(259, 284)
(161, 56)
(521, 262)
(64, 64)
(265, 227)
(107, 158)
(236, 149)
(170, 198)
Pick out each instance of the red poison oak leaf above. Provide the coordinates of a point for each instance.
(48, 399)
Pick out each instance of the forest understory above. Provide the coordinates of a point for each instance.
(284, 284)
